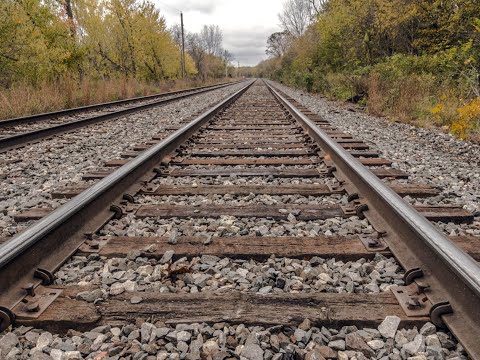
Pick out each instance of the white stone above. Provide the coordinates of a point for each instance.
(242, 272)
(325, 278)
(130, 286)
(73, 355)
(210, 347)
(57, 354)
(418, 357)
(432, 340)
(116, 289)
(414, 346)
(389, 326)
(44, 340)
(376, 344)
(162, 355)
(252, 352)
(183, 336)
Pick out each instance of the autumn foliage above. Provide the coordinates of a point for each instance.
(56, 54)
(395, 57)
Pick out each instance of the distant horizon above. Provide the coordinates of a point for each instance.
(245, 33)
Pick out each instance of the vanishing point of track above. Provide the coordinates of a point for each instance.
(257, 132)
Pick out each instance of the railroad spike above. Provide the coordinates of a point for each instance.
(129, 198)
(360, 209)
(30, 289)
(46, 276)
(7, 318)
(353, 197)
(413, 274)
(437, 311)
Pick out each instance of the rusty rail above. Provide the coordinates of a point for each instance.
(45, 116)
(32, 256)
(21, 139)
(448, 276)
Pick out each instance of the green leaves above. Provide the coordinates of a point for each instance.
(45, 40)
(476, 24)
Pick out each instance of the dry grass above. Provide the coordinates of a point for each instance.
(23, 99)
(404, 99)
(418, 100)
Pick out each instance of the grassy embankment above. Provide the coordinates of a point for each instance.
(24, 99)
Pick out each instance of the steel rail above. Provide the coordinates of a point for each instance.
(451, 278)
(49, 242)
(46, 116)
(21, 139)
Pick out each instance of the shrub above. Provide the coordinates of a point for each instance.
(467, 120)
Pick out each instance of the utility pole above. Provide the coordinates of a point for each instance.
(183, 47)
(226, 65)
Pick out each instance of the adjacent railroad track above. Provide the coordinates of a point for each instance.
(18, 132)
(254, 213)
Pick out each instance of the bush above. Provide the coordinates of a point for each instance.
(404, 97)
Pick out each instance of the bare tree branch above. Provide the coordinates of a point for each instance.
(212, 38)
(297, 15)
(277, 44)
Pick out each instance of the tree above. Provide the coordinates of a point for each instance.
(196, 51)
(99, 39)
(35, 43)
(176, 31)
(278, 43)
(212, 37)
(227, 56)
(207, 52)
(297, 15)
(318, 6)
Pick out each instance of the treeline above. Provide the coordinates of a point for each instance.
(62, 53)
(43, 40)
(205, 49)
(416, 60)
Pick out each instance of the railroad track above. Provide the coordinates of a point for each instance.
(253, 219)
(18, 132)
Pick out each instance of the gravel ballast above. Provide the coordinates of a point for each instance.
(234, 180)
(429, 156)
(219, 341)
(233, 226)
(40, 168)
(13, 130)
(214, 274)
(100, 279)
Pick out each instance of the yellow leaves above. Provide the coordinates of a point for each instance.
(476, 24)
(437, 111)
(467, 120)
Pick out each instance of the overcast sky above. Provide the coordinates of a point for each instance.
(246, 24)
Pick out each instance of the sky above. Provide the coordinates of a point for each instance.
(246, 24)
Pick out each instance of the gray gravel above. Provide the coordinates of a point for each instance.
(61, 161)
(236, 167)
(234, 180)
(211, 273)
(241, 200)
(157, 341)
(13, 130)
(232, 226)
(428, 155)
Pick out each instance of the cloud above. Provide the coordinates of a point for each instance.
(205, 6)
(246, 24)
